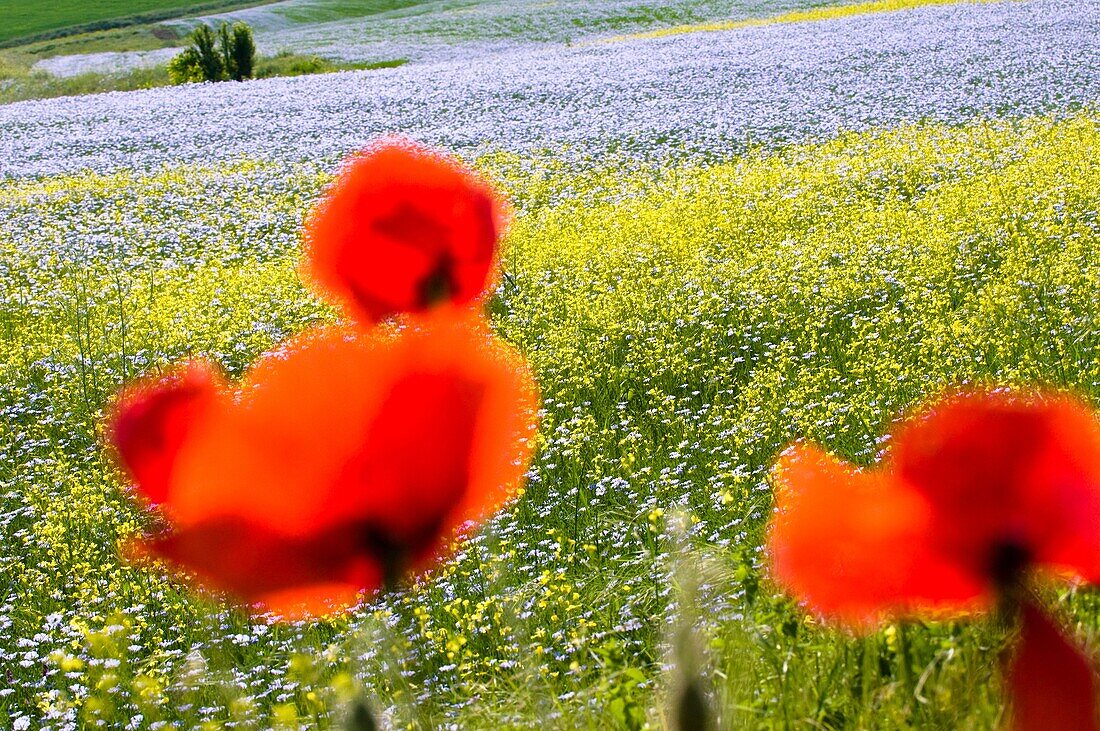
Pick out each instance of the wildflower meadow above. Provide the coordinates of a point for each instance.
(604, 366)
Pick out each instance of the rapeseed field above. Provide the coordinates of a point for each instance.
(686, 319)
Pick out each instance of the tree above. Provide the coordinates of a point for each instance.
(225, 52)
(244, 51)
(204, 42)
(228, 53)
(184, 68)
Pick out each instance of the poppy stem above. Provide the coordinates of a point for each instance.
(1011, 600)
(394, 564)
(361, 717)
(1008, 609)
(1008, 565)
(868, 669)
(904, 658)
(690, 707)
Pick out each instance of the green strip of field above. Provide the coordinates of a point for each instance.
(26, 22)
(795, 16)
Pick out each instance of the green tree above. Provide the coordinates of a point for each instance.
(228, 53)
(225, 52)
(204, 42)
(244, 52)
(185, 67)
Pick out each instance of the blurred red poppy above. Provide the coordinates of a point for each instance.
(1012, 480)
(158, 415)
(850, 544)
(1052, 684)
(404, 229)
(978, 488)
(341, 461)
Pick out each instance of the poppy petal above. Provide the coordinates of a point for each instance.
(289, 576)
(1051, 683)
(151, 421)
(403, 229)
(418, 448)
(452, 436)
(273, 454)
(441, 415)
(1000, 470)
(346, 456)
(851, 544)
(1068, 476)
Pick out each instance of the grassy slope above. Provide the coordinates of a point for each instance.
(24, 86)
(23, 19)
(684, 323)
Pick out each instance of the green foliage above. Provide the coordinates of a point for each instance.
(204, 43)
(685, 323)
(186, 67)
(241, 51)
(228, 53)
(225, 52)
(294, 64)
(17, 83)
(40, 85)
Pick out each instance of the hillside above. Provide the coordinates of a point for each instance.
(26, 22)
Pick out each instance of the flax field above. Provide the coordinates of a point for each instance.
(695, 287)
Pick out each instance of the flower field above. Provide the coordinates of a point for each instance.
(354, 31)
(722, 242)
(705, 95)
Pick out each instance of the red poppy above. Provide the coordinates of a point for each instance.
(978, 488)
(1013, 480)
(404, 229)
(341, 460)
(157, 417)
(1052, 684)
(849, 542)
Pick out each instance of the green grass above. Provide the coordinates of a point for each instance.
(19, 84)
(129, 38)
(330, 10)
(685, 324)
(295, 64)
(29, 21)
